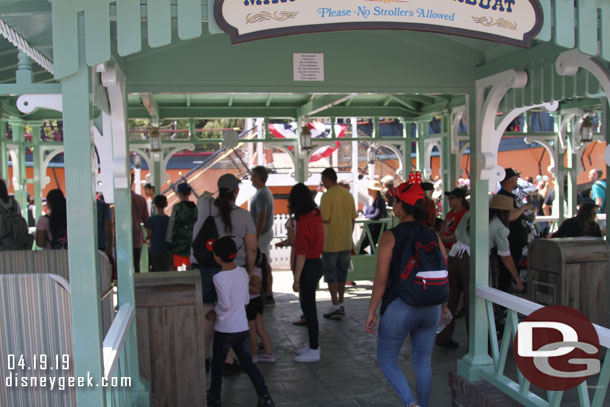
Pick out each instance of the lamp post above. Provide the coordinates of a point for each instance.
(305, 138)
(586, 129)
(155, 140)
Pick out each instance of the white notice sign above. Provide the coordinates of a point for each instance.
(308, 67)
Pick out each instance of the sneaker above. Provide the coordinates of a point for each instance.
(334, 314)
(308, 356)
(305, 348)
(265, 401)
(342, 310)
(266, 357)
(254, 359)
(213, 400)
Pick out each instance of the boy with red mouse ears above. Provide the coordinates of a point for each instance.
(231, 323)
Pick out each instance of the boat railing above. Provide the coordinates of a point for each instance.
(116, 369)
(520, 389)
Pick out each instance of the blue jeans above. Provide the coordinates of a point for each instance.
(397, 322)
(240, 343)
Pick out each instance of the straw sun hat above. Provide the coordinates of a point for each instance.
(501, 202)
(374, 185)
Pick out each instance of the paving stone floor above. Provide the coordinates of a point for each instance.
(348, 374)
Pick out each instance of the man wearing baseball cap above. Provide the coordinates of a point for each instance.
(519, 227)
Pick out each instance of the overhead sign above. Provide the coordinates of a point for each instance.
(513, 22)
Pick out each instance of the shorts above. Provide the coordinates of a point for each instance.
(180, 260)
(264, 243)
(254, 307)
(335, 266)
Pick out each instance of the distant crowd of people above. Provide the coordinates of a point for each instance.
(422, 273)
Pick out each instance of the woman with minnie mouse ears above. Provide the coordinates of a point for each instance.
(411, 283)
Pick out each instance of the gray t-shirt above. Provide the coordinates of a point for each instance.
(241, 223)
(498, 234)
(262, 202)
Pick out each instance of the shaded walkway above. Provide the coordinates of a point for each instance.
(348, 374)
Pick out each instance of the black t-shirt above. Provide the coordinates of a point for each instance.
(519, 228)
(571, 228)
(158, 224)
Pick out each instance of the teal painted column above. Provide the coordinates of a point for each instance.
(3, 152)
(82, 229)
(477, 358)
(18, 127)
(37, 174)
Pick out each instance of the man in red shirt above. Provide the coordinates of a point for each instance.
(459, 206)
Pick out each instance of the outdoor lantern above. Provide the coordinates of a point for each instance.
(586, 129)
(155, 140)
(372, 154)
(305, 138)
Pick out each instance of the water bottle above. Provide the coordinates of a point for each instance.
(446, 319)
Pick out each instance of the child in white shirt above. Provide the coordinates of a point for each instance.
(231, 324)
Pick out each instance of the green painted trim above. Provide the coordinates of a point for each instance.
(37, 88)
(477, 361)
(82, 232)
(3, 152)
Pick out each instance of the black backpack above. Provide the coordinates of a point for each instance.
(59, 239)
(204, 242)
(14, 234)
(418, 274)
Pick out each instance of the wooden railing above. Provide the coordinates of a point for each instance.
(520, 389)
(118, 392)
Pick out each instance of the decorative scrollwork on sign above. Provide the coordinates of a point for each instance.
(489, 21)
(266, 16)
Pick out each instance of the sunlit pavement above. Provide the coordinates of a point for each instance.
(348, 374)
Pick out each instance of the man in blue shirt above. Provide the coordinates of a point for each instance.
(598, 189)
(598, 192)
